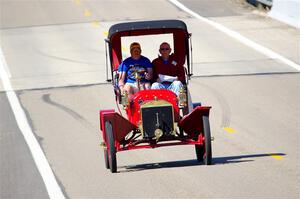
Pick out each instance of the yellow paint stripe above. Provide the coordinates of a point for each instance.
(277, 157)
(96, 24)
(105, 34)
(77, 2)
(87, 13)
(229, 130)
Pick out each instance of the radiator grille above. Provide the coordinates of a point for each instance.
(157, 116)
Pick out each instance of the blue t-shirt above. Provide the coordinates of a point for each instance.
(130, 64)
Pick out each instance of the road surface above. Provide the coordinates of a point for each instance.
(55, 58)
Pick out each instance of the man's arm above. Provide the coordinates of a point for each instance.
(181, 74)
(121, 80)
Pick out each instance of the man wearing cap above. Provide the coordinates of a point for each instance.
(167, 73)
(128, 68)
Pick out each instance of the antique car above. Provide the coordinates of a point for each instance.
(154, 118)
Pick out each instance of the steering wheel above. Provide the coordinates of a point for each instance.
(139, 73)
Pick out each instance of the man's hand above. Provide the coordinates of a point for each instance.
(149, 73)
(158, 80)
(148, 76)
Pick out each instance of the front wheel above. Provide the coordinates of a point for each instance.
(106, 161)
(207, 142)
(203, 152)
(111, 149)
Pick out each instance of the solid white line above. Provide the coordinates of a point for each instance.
(53, 189)
(239, 37)
(4, 64)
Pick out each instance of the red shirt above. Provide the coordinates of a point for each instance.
(170, 67)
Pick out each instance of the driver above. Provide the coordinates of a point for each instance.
(128, 69)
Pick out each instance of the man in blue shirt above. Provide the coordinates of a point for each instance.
(129, 67)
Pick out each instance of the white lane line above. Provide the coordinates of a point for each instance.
(239, 37)
(53, 189)
(4, 64)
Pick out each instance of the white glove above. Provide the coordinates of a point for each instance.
(166, 78)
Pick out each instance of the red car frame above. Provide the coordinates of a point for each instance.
(155, 118)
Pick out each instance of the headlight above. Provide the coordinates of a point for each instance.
(182, 99)
(124, 99)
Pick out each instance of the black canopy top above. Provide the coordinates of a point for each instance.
(146, 25)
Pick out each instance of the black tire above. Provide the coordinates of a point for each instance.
(207, 143)
(111, 150)
(199, 152)
(106, 161)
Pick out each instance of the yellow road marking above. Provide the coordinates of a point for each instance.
(105, 34)
(77, 2)
(229, 130)
(96, 24)
(277, 157)
(87, 13)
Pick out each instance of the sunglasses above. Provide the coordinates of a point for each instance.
(165, 49)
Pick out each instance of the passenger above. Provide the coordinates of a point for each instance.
(167, 73)
(128, 68)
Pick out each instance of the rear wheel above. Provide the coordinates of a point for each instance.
(111, 149)
(199, 152)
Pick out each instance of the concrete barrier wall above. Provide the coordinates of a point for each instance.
(287, 11)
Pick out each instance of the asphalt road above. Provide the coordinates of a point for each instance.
(55, 54)
(17, 171)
